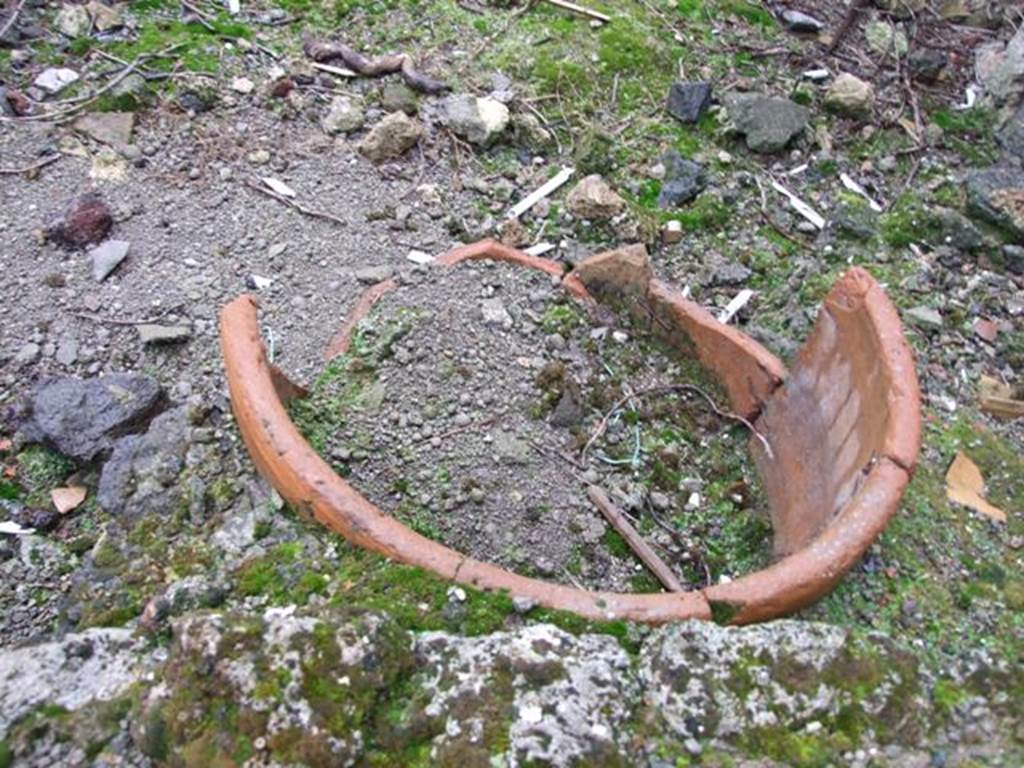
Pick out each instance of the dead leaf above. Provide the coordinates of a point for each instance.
(965, 485)
(68, 499)
(278, 186)
(997, 398)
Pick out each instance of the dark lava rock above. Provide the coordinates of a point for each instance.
(195, 102)
(141, 475)
(688, 101)
(730, 273)
(959, 231)
(767, 122)
(86, 220)
(684, 180)
(858, 222)
(996, 195)
(926, 64)
(81, 418)
(569, 411)
(1011, 137)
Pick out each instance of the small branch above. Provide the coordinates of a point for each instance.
(640, 548)
(564, 4)
(458, 430)
(847, 24)
(312, 212)
(41, 164)
(12, 18)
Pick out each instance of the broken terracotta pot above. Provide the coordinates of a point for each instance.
(843, 428)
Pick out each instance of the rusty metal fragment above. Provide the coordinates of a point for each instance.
(843, 426)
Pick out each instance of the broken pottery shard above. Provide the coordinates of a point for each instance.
(106, 257)
(154, 333)
(81, 418)
(625, 270)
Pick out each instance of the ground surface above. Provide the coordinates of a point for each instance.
(184, 582)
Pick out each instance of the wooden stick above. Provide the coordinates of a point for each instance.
(25, 169)
(312, 212)
(640, 548)
(580, 10)
(12, 18)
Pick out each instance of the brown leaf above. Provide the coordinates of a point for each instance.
(965, 485)
(68, 499)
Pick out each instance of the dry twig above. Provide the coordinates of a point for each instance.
(641, 548)
(12, 18)
(40, 164)
(312, 212)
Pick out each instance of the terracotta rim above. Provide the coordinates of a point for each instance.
(258, 391)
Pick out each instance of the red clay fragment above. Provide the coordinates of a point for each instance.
(835, 476)
(341, 341)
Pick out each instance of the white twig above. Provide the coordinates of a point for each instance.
(800, 206)
(734, 306)
(540, 193)
(581, 10)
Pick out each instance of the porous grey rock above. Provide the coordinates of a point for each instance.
(926, 317)
(996, 195)
(593, 198)
(55, 79)
(345, 115)
(73, 20)
(479, 120)
(141, 476)
(902, 9)
(98, 664)
(768, 123)
(27, 355)
(1011, 135)
(886, 39)
(376, 273)
(510, 448)
(494, 313)
(106, 257)
(1000, 68)
(684, 180)
(391, 138)
(105, 17)
(849, 95)
(81, 418)
(688, 101)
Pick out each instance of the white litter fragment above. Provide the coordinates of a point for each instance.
(970, 98)
(816, 75)
(540, 193)
(686, 292)
(800, 206)
(11, 528)
(339, 71)
(798, 170)
(278, 186)
(56, 79)
(234, 7)
(259, 283)
(531, 714)
(540, 249)
(620, 336)
(419, 257)
(853, 186)
(734, 306)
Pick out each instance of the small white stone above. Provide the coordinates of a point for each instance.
(531, 714)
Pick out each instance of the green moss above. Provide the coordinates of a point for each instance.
(40, 469)
(6, 756)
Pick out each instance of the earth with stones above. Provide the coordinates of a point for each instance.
(162, 605)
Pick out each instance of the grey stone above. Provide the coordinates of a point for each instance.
(374, 274)
(886, 39)
(73, 21)
(593, 198)
(510, 448)
(141, 476)
(67, 351)
(959, 231)
(996, 195)
(1000, 68)
(1011, 136)
(797, 21)
(494, 313)
(730, 273)
(926, 317)
(688, 101)
(55, 79)
(391, 137)
(856, 221)
(849, 95)
(767, 122)
(27, 355)
(345, 115)
(81, 418)
(684, 180)
(927, 64)
(478, 120)
(106, 257)
(398, 97)
(568, 412)
(155, 333)
(113, 128)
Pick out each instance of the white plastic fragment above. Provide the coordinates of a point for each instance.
(56, 79)
(739, 302)
(800, 206)
(234, 7)
(970, 97)
(540, 249)
(540, 193)
(278, 186)
(11, 528)
(816, 75)
(339, 71)
(856, 188)
(419, 257)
